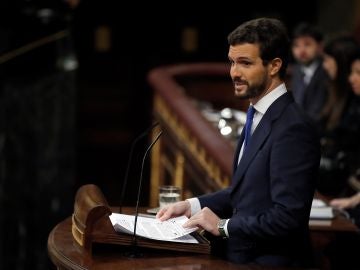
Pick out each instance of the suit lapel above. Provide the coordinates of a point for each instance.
(238, 148)
(259, 136)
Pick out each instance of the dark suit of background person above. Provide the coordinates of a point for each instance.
(313, 96)
(310, 91)
(268, 203)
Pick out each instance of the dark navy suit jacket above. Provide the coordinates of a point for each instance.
(272, 188)
(313, 97)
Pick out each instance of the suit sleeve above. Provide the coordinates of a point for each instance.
(219, 202)
(293, 164)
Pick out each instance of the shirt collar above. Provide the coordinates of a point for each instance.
(264, 103)
(310, 69)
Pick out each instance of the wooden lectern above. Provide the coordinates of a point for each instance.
(90, 220)
(91, 224)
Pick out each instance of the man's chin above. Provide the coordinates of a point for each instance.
(307, 62)
(241, 94)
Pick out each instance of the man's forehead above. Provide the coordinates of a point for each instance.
(248, 50)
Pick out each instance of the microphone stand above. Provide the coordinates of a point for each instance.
(123, 188)
(135, 253)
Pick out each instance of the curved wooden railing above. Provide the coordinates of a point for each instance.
(174, 107)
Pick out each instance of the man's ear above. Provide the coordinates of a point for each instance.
(275, 66)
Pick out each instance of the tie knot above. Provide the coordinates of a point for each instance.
(250, 113)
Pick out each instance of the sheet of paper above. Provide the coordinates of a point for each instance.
(318, 203)
(322, 212)
(169, 230)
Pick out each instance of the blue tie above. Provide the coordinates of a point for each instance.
(249, 120)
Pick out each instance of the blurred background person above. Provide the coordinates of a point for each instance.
(336, 139)
(343, 252)
(309, 81)
(352, 203)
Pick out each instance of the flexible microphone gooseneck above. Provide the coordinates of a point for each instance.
(134, 241)
(138, 138)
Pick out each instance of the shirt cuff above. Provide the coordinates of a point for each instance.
(194, 205)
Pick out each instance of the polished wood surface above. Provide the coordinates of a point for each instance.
(338, 224)
(91, 216)
(65, 253)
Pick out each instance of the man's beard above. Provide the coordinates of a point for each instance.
(252, 91)
(309, 61)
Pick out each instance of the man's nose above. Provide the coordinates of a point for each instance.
(235, 71)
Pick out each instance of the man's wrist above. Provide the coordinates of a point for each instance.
(222, 228)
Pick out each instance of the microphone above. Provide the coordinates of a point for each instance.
(138, 138)
(134, 241)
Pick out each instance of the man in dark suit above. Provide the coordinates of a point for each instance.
(309, 80)
(263, 215)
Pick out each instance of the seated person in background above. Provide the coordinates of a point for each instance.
(352, 203)
(309, 81)
(338, 124)
(348, 202)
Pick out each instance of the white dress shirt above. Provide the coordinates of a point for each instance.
(309, 71)
(261, 107)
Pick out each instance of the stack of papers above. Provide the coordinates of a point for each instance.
(169, 230)
(320, 210)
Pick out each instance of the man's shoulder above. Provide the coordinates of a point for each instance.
(321, 74)
(290, 113)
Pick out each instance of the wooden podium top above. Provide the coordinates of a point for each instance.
(65, 253)
(87, 240)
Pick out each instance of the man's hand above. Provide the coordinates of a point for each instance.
(174, 210)
(205, 219)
